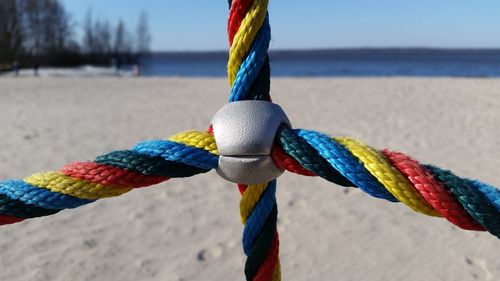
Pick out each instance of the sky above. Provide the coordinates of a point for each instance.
(200, 25)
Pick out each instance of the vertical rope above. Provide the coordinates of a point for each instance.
(249, 35)
(259, 213)
(249, 74)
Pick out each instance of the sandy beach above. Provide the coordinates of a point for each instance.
(189, 229)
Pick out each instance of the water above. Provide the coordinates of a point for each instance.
(336, 63)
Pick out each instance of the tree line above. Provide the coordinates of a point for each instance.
(43, 32)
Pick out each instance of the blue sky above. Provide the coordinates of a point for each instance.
(299, 24)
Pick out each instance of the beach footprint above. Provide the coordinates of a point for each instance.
(211, 253)
(147, 267)
(478, 269)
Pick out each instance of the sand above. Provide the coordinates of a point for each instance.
(189, 229)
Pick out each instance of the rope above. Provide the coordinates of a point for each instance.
(249, 76)
(259, 213)
(392, 176)
(110, 175)
(249, 36)
(469, 204)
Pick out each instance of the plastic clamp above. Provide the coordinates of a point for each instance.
(244, 132)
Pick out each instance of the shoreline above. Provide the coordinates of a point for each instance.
(110, 73)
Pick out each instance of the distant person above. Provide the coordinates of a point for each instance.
(114, 65)
(16, 68)
(36, 66)
(118, 63)
(136, 71)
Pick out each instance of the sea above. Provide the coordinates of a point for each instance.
(420, 62)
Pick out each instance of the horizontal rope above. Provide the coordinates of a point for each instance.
(40, 197)
(110, 175)
(389, 176)
(466, 203)
(474, 202)
(432, 190)
(393, 176)
(308, 157)
(346, 163)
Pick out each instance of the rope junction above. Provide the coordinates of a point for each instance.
(387, 175)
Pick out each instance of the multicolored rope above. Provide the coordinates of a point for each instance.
(110, 175)
(249, 77)
(394, 176)
(388, 175)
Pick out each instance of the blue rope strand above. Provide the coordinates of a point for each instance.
(347, 164)
(41, 197)
(251, 66)
(157, 166)
(490, 192)
(258, 217)
(178, 152)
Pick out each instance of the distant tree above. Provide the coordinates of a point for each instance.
(42, 31)
(57, 28)
(88, 33)
(123, 41)
(10, 31)
(103, 37)
(33, 20)
(143, 35)
(97, 37)
(47, 26)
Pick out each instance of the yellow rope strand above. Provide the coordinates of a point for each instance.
(277, 271)
(249, 199)
(58, 182)
(197, 139)
(392, 179)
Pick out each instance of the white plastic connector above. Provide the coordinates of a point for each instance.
(244, 132)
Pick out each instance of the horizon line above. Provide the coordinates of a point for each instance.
(341, 49)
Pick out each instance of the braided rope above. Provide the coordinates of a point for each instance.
(110, 175)
(432, 190)
(469, 204)
(387, 175)
(390, 177)
(248, 74)
(258, 211)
